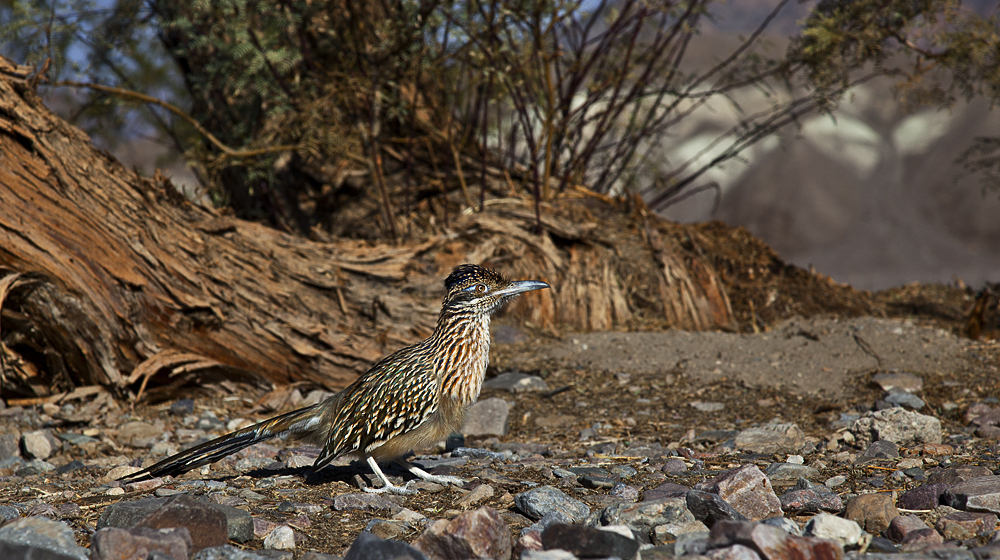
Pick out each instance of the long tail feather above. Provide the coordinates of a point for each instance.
(298, 421)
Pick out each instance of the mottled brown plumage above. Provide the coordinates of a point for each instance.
(411, 398)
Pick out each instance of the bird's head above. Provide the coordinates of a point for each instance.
(482, 291)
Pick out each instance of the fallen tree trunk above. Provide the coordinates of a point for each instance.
(110, 278)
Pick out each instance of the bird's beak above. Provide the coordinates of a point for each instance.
(521, 286)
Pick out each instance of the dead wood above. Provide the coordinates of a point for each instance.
(113, 279)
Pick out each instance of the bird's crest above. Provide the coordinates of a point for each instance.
(466, 274)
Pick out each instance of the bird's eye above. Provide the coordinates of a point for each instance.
(481, 288)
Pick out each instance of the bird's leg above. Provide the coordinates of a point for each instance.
(386, 485)
(421, 473)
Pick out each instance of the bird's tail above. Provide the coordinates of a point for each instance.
(302, 421)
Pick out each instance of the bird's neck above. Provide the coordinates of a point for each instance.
(463, 352)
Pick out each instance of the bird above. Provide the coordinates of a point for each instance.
(413, 397)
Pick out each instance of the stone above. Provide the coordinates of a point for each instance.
(872, 512)
(785, 524)
(10, 445)
(237, 523)
(517, 383)
(644, 516)
(364, 502)
(281, 538)
(710, 508)
(771, 438)
(982, 414)
(139, 434)
(668, 532)
(900, 426)
(902, 525)
(691, 544)
(734, 552)
(772, 543)
(881, 449)
(901, 381)
(206, 524)
(806, 497)
(966, 525)
(925, 497)
(39, 537)
(835, 481)
(477, 453)
(39, 444)
(227, 552)
(547, 555)
(843, 531)
(707, 406)
(976, 494)
(596, 482)
(112, 543)
(538, 501)
(625, 492)
(920, 539)
(480, 533)
(882, 545)
(954, 475)
(588, 541)
(674, 466)
(386, 529)
(369, 547)
(665, 490)
(478, 494)
(902, 398)
(487, 417)
(748, 490)
(789, 471)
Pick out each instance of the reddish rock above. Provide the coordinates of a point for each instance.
(975, 494)
(748, 490)
(480, 533)
(936, 449)
(966, 525)
(665, 490)
(927, 496)
(872, 512)
(588, 541)
(112, 543)
(206, 525)
(902, 525)
(920, 539)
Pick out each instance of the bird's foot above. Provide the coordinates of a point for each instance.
(444, 480)
(435, 478)
(389, 488)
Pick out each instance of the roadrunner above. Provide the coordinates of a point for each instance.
(411, 398)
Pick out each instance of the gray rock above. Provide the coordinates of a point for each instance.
(35, 466)
(363, 501)
(786, 471)
(734, 552)
(9, 512)
(644, 516)
(226, 552)
(902, 427)
(125, 515)
(139, 434)
(976, 494)
(899, 381)
(806, 497)
(41, 534)
(39, 444)
(706, 406)
(691, 544)
(904, 399)
(477, 453)
(844, 531)
(771, 542)
(556, 554)
(785, 524)
(669, 532)
(748, 490)
(588, 541)
(369, 547)
(517, 383)
(10, 445)
(771, 438)
(487, 417)
(881, 449)
(710, 508)
(536, 502)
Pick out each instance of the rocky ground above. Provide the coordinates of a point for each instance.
(814, 439)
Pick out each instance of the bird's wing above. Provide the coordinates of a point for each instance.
(392, 398)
